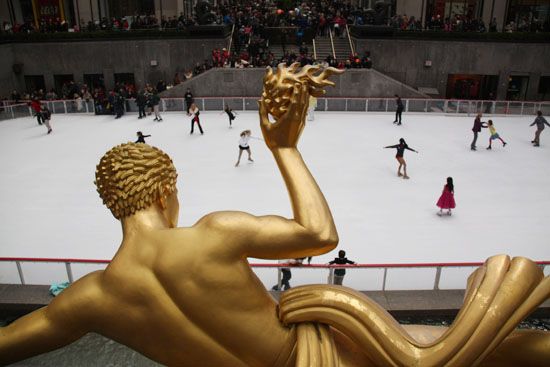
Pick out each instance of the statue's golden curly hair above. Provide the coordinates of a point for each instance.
(130, 177)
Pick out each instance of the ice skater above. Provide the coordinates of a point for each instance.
(246, 135)
(141, 102)
(311, 108)
(141, 137)
(399, 156)
(494, 134)
(155, 101)
(36, 106)
(447, 198)
(188, 100)
(194, 110)
(540, 122)
(478, 124)
(229, 111)
(46, 116)
(340, 272)
(399, 110)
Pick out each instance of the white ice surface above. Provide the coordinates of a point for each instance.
(50, 207)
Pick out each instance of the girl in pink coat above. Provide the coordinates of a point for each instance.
(447, 198)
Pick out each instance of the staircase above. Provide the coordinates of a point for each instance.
(341, 47)
(277, 50)
(324, 47)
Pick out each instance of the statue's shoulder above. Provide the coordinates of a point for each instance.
(223, 220)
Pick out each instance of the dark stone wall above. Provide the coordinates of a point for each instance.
(7, 76)
(400, 59)
(404, 60)
(248, 82)
(108, 58)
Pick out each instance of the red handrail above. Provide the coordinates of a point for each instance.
(273, 265)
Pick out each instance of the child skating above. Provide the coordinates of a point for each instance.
(229, 111)
(494, 134)
(246, 135)
(141, 137)
(399, 156)
(447, 198)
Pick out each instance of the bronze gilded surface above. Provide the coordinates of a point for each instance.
(157, 298)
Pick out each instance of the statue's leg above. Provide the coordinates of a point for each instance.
(34, 334)
(63, 321)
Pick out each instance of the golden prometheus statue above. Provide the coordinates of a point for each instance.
(188, 297)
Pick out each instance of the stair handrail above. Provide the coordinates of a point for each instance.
(231, 39)
(332, 44)
(314, 50)
(349, 40)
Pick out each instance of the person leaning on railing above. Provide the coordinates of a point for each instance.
(340, 272)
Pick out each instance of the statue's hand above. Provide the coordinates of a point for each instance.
(286, 98)
(285, 131)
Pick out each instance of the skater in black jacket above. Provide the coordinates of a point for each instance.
(188, 100)
(399, 110)
(141, 102)
(229, 111)
(141, 137)
(118, 105)
(399, 156)
(46, 115)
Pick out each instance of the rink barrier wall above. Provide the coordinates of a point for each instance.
(10, 110)
(439, 267)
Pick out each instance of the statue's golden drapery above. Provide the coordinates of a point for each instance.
(156, 298)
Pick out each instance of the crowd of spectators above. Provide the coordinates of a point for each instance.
(463, 23)
(252, 16)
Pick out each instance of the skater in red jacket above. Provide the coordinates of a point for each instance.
(447, 198)
(36, 106)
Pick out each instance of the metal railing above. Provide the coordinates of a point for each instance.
(332, 43)
(438, 267)
(314, 49)
(350, 41)
(231, 39)
(350, 104)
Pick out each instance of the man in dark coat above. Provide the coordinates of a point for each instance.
(141, 101)
(478, 124)
(399, 110)
(188, 100)
(119, 105)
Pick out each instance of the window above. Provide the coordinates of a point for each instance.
(544, 88)
(124, 78)
(517, 87)
(62, 82)
(94, 81)
(34, 83)
(472, 86)
(529, 15)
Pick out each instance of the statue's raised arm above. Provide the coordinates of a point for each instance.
(311, 231)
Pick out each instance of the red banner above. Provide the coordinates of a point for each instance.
(439, 8)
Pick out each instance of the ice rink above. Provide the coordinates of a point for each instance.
(50, 207)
